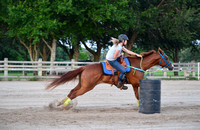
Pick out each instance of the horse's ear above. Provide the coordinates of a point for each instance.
(160, 50)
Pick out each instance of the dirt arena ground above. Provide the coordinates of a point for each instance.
(25, 105)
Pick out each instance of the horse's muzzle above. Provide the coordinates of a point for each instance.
(171, 67)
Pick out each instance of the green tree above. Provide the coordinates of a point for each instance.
(93, 20)
(34, 22)
(39, 24)
(190, 54)
(171, 28)
(61, 55)
(10, 49)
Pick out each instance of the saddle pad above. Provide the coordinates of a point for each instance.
(109, 72)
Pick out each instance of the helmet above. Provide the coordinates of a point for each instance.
(122, 37)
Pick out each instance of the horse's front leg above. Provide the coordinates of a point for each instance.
(135, 84)
(135, 88)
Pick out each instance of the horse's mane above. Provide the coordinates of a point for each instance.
(144, 54)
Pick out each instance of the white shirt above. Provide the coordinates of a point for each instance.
(111, 52)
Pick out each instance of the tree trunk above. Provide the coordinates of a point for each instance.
(76, 51)
(53, 55)
(97, 57)
(96, 54)
(69, 52)
(53, 50)
(176, 59)
(132, 40)
(32, 50)
(76, 47)
(35, 57)
(44, 54)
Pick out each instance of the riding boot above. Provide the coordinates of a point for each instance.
(121, 86)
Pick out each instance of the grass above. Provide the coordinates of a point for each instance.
(160, 73)
(17, 73)
(34, 79)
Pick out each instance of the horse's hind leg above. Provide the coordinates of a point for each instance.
(75, 93)
(85, 87)
(79, 92)
(75, 89)
(65, 99)
(89, 78)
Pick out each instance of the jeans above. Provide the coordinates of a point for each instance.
(120, 68)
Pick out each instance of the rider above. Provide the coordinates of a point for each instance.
(115, 52)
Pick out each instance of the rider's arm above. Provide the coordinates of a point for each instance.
(130, 52)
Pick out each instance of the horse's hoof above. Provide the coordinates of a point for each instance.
(138, 103)
(70, 106)
(60, 103)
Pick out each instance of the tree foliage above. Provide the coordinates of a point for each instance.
(171, 28)
(41, 24)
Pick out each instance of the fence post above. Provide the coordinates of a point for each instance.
(72, 65)
(6, 68)
(40, 67)
(164, 73)
(193, 68)
(198, 70)
(23, 70)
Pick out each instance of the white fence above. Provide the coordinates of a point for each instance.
(180, 71)
(46, 69)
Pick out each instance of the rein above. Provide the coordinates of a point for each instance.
(139, 69)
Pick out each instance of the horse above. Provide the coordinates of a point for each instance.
(92, 74)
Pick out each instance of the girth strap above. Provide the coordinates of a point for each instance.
(113, 78)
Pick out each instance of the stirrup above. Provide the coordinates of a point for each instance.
(121, 86)
(124, 87)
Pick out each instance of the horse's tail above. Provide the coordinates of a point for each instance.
(65, 78)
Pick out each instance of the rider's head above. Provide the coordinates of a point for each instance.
(123, 38)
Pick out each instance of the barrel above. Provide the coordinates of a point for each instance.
(150, 95)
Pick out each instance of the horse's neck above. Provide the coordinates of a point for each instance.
(149, 62)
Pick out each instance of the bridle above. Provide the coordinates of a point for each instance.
(163, 58)
(141, 70)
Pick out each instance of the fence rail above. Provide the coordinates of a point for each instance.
(45, 69)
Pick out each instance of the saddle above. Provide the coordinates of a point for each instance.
(109, 67)
(109, 70)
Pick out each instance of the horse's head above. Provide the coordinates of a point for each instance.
(164, 60)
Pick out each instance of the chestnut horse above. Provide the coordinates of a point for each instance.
(91, 75)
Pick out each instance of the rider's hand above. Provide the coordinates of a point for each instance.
(138, 55)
